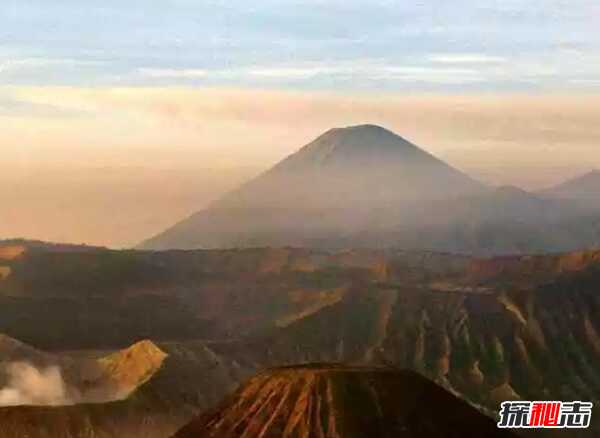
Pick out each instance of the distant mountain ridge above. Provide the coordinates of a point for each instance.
(584, 188)
(364, 186)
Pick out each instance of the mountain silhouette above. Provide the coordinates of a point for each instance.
(353, 167)
(584, 189)
(329, 189)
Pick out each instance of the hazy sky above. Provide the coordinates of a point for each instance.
(506, 90)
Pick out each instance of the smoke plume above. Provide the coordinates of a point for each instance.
(28, 385)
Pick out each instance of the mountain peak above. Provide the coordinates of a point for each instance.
(357, 166)
(363, 128)
(337, 400)
(366, 135)
(330, 185)
(594, 173)
(512, 192)
(358, 148)
(133, 366)
(583, 188)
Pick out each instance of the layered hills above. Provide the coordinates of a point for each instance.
(485, 326)
(331, 401)
(487, 329)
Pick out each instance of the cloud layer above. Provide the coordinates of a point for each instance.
(515, 45)
(212, 128)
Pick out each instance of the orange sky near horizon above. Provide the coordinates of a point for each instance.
(227, 128)
(208, 140)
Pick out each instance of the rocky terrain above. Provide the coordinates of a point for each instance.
(485, 329)
(144, 390)
(331, 401)
(29, 376)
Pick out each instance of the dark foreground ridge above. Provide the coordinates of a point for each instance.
(335, 401)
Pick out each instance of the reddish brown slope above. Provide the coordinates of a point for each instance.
(331, 401)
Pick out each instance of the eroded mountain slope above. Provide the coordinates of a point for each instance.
(331, 401)
(486, 329)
